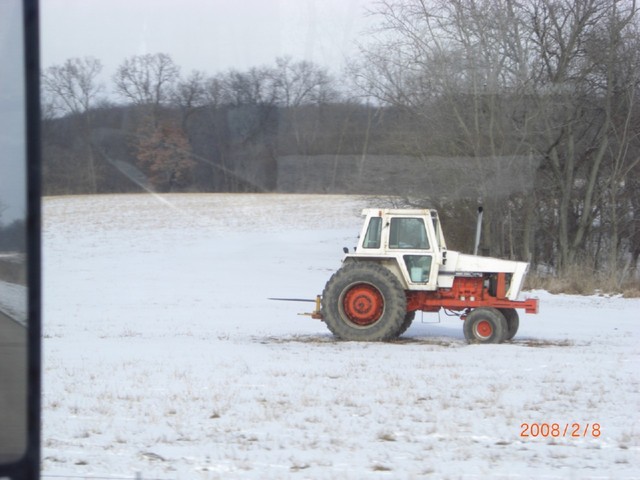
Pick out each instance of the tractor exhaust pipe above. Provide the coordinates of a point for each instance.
(478, 230)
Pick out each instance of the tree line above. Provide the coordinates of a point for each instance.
(551, 85)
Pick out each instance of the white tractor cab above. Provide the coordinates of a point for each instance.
(402, 265)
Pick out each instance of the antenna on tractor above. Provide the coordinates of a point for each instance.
(478, 230)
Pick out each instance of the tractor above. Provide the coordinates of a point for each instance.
(401, 265)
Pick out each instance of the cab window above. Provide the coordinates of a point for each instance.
(372, 237)
(408, 233)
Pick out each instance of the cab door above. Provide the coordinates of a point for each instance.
(409, 240)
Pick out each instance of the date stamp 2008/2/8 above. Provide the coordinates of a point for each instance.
(560, 430)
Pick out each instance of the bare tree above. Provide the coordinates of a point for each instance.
(552, 78)
(73, 88)
(302, 82)
(576, 90)
(459, 68)
(147, 80)
(253, 87)
(302, 89)
(215, 90)
(190, 94)
(615, 48)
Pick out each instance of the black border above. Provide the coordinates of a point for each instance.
(28, 467)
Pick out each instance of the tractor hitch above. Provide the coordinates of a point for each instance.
(315, 314)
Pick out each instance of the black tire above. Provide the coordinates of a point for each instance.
(406, 323)
(485, 325)
(513, 321)
(365, 302)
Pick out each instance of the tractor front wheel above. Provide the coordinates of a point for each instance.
(406, 323)
(485, 325)
(513, 322)
(364, 301)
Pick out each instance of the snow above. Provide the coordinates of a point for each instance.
(163, 357)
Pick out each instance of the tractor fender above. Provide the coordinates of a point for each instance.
(390, 263)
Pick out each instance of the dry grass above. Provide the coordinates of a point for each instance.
(380, 468)
(631, 290)
(386, 437)
(330, 339)
(584, 281)
(434, 341)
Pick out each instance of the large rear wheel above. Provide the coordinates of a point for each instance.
(485, 325)
(364, 301)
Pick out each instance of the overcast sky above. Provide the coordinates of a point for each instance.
(208, 35)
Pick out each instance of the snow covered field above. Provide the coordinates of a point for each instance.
(163, 356)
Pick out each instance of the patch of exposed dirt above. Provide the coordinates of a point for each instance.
(437, 341)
